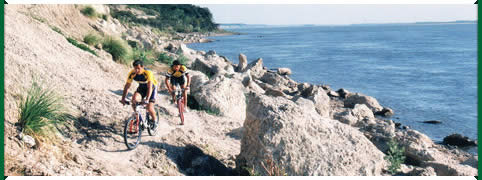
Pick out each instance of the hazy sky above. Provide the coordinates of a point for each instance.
(338, 14)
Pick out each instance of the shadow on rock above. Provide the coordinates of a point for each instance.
(95, 131)
(192, 161)
(120, 91)
(236, 133)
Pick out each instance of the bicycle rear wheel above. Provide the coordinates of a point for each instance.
(132, 133)
(153, 124)
(180, 106)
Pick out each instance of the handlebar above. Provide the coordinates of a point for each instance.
(137, 104)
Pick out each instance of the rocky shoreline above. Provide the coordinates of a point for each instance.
(278, 107)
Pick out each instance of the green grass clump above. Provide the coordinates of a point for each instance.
(119, 49)
(395, 155)
(81, 46)
(104, 16)
(143, 55)
(91, 39)
(164, 58)
(56, 29)
(182, 59)
(89, 11)
(40, 111)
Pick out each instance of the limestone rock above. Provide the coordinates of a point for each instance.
(225, 96)
(359, 98)
(243, 63)
(302, 142)
(284, 71)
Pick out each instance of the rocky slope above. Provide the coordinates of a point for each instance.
(260, 116)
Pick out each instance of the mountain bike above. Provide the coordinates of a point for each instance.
(136, 124)
(180, 101)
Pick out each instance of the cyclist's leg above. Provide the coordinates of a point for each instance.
(184, 93)
(173, 84)
(152, 100)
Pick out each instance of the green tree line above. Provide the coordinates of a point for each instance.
(171, 17)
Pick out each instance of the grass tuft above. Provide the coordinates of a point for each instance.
(81, 46)
(119, 49)
(89, 11)
(91, 39)
(40, 111)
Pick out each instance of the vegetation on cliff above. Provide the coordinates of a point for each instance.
(183, 18)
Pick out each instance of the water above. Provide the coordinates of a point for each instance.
(422, 72)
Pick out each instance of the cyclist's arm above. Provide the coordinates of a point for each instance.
(149, 90)
(166, 81)
(188, 79)
(126, 88)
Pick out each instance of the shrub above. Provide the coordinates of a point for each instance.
(56, 29)
(182, 59)
(117, 48)
(91, 39)
(164, 58)
(134, 44)
(144, 56)
(395, 156)
(104, 16)
(40, 110)
(81, 46)
(88, 11)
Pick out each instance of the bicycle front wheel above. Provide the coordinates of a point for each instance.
(132, 133)
(153, 124)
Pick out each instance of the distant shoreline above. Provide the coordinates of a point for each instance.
(228, 26)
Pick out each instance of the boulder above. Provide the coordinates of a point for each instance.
(28, 140)
(333, 94)
(198, 79)
(385, 112)
(459, 140)
(360, 114)
(284, 71)
(326, 87)
(298, 140)
(418, 147)
(278, 81)
(359, 98)
(361, 111)
(225, 96)
(256, 68)
(321, 101)
(343, 92)
(243, 63)
(432, 122)
(418, 171)
(211, 53)
(214, 65)
(450, 169)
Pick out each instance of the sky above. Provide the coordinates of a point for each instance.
(329, 14)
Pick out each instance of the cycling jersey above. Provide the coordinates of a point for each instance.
(173, 73)
(142, 78)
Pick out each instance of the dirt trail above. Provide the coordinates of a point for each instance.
(92, 143)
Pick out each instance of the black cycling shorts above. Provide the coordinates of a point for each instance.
(177, 80)
(142, 89)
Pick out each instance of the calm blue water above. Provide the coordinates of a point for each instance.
(423, 72)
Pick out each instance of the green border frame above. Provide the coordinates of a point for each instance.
(479, 82)
(2, 115)
(2, 61)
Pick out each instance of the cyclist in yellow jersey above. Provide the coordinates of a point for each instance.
(178, 75)
(147, 86)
